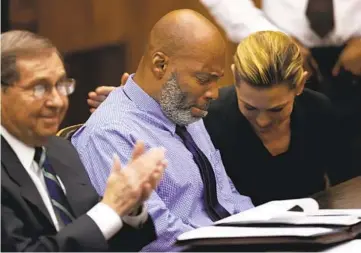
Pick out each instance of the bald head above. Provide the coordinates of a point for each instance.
(182, 31)
(184, 59)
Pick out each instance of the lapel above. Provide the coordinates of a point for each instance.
(69, 177)
(18, 174)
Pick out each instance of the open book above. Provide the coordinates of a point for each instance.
(297, 221)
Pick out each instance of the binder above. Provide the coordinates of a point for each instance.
(278, 228)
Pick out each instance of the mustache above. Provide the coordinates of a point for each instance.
(204, 107)
(201, 107)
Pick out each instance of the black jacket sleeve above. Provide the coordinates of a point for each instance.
(81, 235)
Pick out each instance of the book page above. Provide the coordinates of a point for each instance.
(271, 209)
(336, 212)
(305, 219)
(299, 219)
(237, 232)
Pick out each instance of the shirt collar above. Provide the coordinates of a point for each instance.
(146, 103)
(24, 152)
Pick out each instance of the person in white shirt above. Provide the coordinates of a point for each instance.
(328, 33)
(240, 18)
(48, 202)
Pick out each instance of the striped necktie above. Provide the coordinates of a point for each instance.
(214, 209)
(58, 199)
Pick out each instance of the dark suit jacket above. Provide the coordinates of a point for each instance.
(26, 224)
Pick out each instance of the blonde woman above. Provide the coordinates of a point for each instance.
(277, 139)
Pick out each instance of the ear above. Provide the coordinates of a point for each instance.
(236, 77)
(233, 69)
(301, 84)
(159, 64)
(3, 89)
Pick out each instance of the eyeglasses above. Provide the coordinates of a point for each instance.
(65, 88)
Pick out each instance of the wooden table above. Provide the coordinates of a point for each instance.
(344, 195)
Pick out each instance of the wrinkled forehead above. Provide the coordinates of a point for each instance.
(43, 66)
(203, 55)
(206, 65)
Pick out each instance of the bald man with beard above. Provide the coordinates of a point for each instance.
(163, 103)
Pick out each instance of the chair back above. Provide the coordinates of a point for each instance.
(68, 132)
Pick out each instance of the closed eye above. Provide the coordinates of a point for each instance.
(202, 81)
(276, 109)
(206, 78)
(250, 108)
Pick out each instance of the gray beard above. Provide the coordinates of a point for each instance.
(174, 104)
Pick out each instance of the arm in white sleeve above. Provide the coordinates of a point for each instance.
(239, 18)
(137, 220)
(108, 221)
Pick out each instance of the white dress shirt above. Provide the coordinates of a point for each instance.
(108, 221)
(240, 18)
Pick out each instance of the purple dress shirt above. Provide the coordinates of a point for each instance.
(176, 206)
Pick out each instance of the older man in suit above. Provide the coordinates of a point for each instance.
(48, 203)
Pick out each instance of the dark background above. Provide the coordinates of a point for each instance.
(90, 68)
(100, 39)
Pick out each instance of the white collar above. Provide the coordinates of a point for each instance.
(24, 152)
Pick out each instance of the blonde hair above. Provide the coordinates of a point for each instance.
(268, 58)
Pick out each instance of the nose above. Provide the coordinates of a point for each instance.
(213, 91)
(263, 120)
(55, 99)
